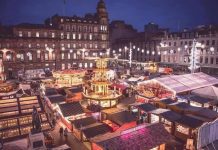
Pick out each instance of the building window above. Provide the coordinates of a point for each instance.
(90, 45)
(216, 60)
(30, 56)
(79, 36)
(96, 45)
(45, 34)
(68, 45)
(62, 35)
(46, 56)
(29, 46)
(213, 42)
(74, 45)
(37, 34)
(74, 36)
(63, 66)
(62, 56)
(53, 35)
(69, 66)
(68, 36)
(211, 60)
(74, 55)
(68, 55)
(90, 36)
(206, 60)
(208, 42)
(20, 33)
(104, 37)
(29, 34)
(38, 54)
(95, 29)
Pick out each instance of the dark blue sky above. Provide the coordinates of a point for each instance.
(167, 13)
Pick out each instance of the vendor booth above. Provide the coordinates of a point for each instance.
(70, 111)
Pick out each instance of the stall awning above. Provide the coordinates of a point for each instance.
(50, 91)
(122, 117)
(187, 82)
(79, 123)
(57, 98)
(167, 101)
(190, 122)
(207, 113)
(146, 107)
(71, 109)
(96, 129)
(210, 92)
(198, 99)
(170, 116)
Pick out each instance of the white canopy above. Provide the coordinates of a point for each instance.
(210, 92)
(187, 82)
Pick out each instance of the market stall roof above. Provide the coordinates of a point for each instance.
(75, 89)
(79, 123)
(184, 106)
(96, 129)
(146, 107)
(167, 101)
(122, 117)
(57, 98)
(187, 82)
(199, 99)
(170, 116)
(190, 122)
(207, 113)
(210, 92)
(50, 91)
(211, 146)
(140, 137)
(71, 109)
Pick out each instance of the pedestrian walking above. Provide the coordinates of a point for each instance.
(65, 132)
(61, 130)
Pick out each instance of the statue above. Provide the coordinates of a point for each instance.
(36, 122)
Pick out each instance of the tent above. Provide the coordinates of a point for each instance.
(210, 92)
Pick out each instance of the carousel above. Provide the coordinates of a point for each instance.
(98, 92)
(69, 77)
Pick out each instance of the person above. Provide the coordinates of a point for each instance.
(61, 130)
(65, 132)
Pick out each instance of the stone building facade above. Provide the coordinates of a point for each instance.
(176, 48)
(60, 43)
(144, 45)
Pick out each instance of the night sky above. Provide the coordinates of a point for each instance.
(174, 14)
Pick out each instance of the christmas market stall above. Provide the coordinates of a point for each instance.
(70, 111)
(149, 137)
(79, 124)
(53, 100)
(93, 130)
(120, 120)
(16, 116)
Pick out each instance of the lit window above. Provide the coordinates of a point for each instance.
(53, 35)
(74, 56)
(63, 66)
(90, 36)
(30, 56)
(20, 33)
(68, 45)
(29, 46)
(46, 56)
(96, 46)
(62, 35)
(38, 54)
(90, 45)
(80, 65)
(68, 35)
(37, 34)
(53, 56)
(74, 45)
(29, 34)
(62, 55)
(79, 36)
(74, 36)
(91, 65)
(68, 55)
(69, 66)
(85, 65)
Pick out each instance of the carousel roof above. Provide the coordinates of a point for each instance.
(187, 82)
